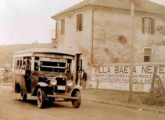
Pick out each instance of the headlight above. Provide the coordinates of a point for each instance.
(53, 81)
(70, 83)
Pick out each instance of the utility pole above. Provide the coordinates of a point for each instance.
(132, 52)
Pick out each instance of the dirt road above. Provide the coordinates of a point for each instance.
(11, 108)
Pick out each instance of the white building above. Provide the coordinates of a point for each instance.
(100, 29)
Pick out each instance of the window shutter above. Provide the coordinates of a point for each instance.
(62, 26)
(147, 51)
(56, 30)
(79, 22)
(152, 26)
(143, 26)
(147, 54)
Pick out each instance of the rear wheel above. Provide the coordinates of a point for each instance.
(23, 95)
(41, 98)
(17, 88)
(76, 103)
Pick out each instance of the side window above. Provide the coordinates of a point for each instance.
(147, 54)
(17, 65)
(79, 22)
(23, 63)
(28, 66)
(148, 25)
(62, 26)
(20, 64)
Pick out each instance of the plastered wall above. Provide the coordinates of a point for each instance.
(112, 36)
(77, 41)
(117, 76)
(111, 43)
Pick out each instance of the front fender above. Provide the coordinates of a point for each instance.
(76, 88)
(42, 84)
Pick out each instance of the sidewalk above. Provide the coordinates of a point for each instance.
(120, 98)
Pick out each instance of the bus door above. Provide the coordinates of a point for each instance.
(78, 59)
(28, 74)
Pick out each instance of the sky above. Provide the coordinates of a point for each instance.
(28, 21)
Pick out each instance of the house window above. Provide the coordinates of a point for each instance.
(79, 22)
(62, 26)
(148, 25)
(147, 54)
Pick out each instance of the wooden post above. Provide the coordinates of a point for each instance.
(162, 87)
(132, 53)
(153, 79)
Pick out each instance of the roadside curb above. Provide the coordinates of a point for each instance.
(126, 106)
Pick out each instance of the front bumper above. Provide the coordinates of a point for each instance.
(63, 96)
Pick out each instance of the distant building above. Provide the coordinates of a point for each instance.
(100, 29)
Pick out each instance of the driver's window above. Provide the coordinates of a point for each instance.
(68, 68)
(36, 63)
(36, 66)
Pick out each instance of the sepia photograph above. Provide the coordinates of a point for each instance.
(82, 59)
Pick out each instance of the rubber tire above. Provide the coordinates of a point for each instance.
(51, 100)
(23, 96)
(76, 103)
(41, 98)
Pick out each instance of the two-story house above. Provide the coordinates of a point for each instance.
(101, 30)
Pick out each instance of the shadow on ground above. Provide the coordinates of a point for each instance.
(49, 105)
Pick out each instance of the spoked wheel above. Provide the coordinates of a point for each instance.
(76, 103)
(41, 98)
(23, 95)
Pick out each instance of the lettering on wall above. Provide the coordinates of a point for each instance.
(121, 74)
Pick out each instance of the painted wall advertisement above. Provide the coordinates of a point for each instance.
(117, 77)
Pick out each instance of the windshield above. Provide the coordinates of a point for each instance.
(53, 64)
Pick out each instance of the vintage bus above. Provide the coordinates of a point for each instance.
(47, 74)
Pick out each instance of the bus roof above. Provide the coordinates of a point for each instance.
(43, 50)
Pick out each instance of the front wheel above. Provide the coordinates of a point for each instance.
(76, 103)
(23, 96)
(41, 98)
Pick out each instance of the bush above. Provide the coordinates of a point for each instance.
(157, 98)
